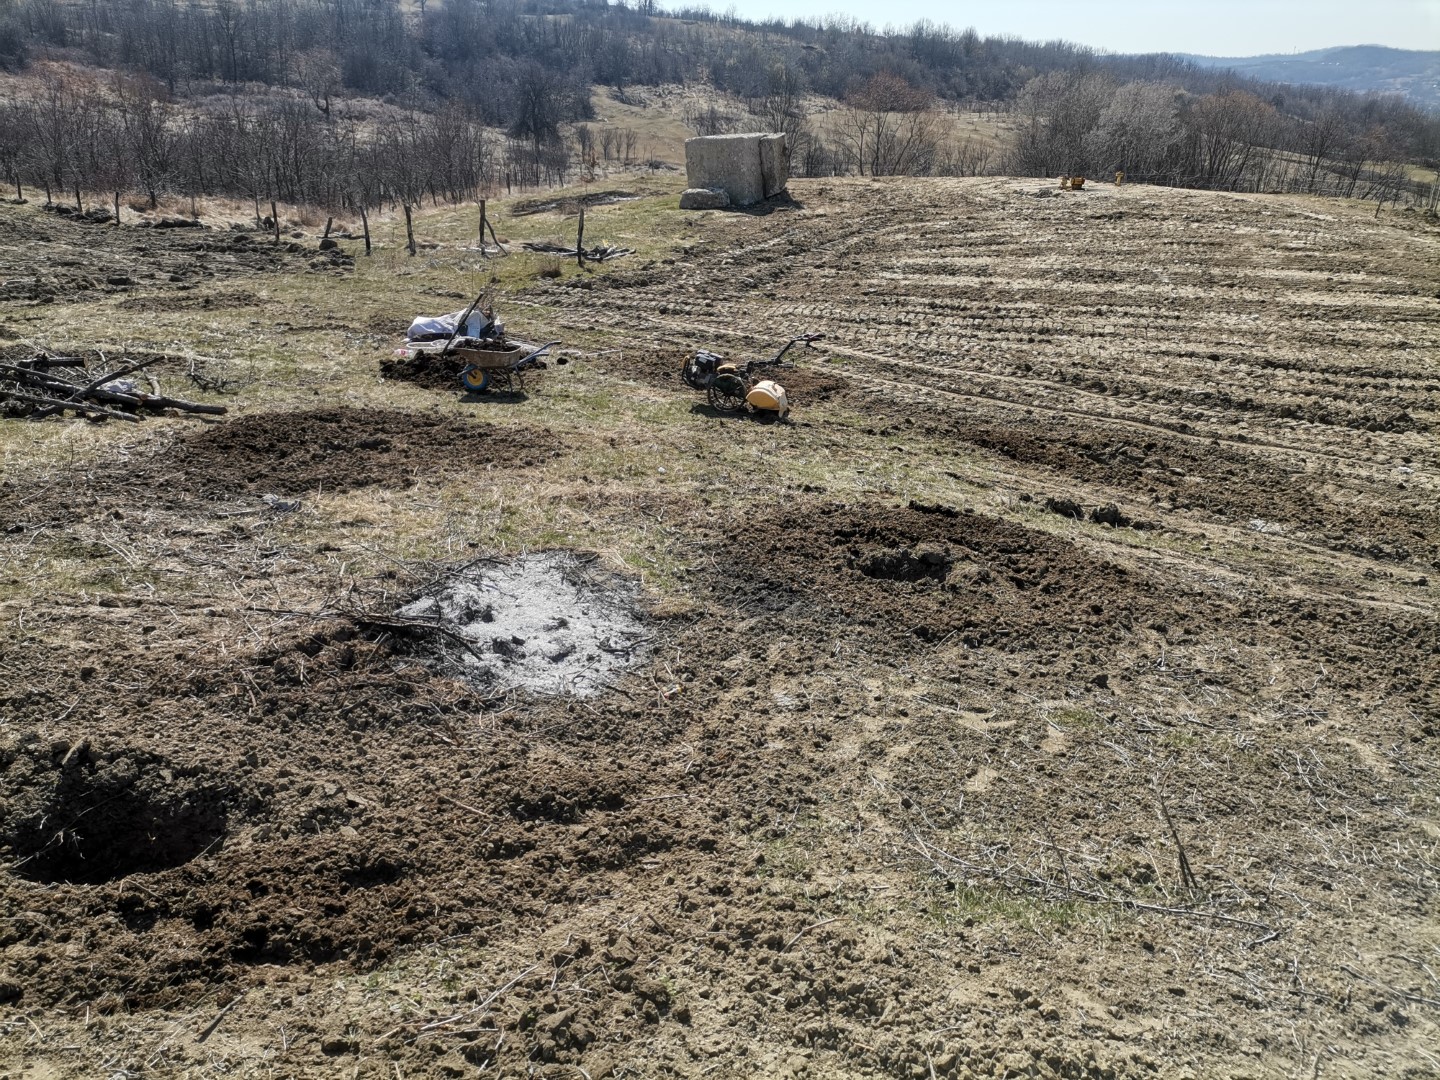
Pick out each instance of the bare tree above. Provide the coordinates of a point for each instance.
(709, 120)
(48, 135)
(13, 145)
(317, 72)
(1136, 132)
(148, 137)
(781, 108)
(1057, 113)
(969, 157)
(1322, 139)
(889, 128)
(1235, 131)
(585, 142)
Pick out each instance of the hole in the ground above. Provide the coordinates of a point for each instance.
(107, 821)
(904, 564)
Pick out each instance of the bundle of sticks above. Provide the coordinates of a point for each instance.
(596, 254)
(53, 385)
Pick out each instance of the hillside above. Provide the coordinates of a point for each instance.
(1050, 696)
(1412, 74)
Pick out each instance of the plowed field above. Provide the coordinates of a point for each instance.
(1056, 694)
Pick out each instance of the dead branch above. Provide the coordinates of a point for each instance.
(396, 622)
(602, 253)
(805, 930)
(79, 407)
(38, 383)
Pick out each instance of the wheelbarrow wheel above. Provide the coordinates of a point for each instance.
(727, 396)
(475, 379)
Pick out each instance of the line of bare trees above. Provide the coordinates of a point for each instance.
(258, 99)
(1088, 123)
(71, 137)
(527, 65)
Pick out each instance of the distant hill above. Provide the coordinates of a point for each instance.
(1413, 74)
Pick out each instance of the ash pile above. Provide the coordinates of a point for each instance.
(553, 622)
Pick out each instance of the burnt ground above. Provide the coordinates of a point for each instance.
(926, 774)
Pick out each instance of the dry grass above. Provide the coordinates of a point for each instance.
(649, 483)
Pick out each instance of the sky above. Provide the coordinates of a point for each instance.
(1210, 27)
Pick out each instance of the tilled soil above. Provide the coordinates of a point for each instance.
(1124, 768)
(341, 449)
(1241, 357)
(287, 455)
(43, 260)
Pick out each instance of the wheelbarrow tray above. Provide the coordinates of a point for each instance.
(493, 358)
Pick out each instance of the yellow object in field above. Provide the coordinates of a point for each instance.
(1119, 177)
(768, 396)
(1076, 183)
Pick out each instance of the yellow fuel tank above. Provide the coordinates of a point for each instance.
(768, 396)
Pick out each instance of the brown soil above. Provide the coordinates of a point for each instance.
(806, 385)
(44, 259)
(431, 372)
(525, 207)
(296, 453)
(289, 455)
(1101, 743)
(443, 372)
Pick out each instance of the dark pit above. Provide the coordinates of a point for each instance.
(96, 821)
(904, 564)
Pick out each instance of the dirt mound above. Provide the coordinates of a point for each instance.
(906, 578)
(427, 370)
(931, 576)
(288, 839)
(526, 207)
(1230, 482)
(44, 258)
(808, 385)
(297, 453)
(443, 372)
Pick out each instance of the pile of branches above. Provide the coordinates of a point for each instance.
(44, 386)
(595, 254)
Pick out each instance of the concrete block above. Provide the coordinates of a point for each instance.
(774, 164)
(704, 199)
(728, 162)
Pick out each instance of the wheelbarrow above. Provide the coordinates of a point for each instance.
(498, 368)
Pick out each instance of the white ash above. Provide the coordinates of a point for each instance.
(552, 622)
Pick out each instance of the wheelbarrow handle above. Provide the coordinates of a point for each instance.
(542, 349)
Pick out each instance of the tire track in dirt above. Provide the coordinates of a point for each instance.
(1243, 330)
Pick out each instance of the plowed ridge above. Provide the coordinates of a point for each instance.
(1254, 337)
